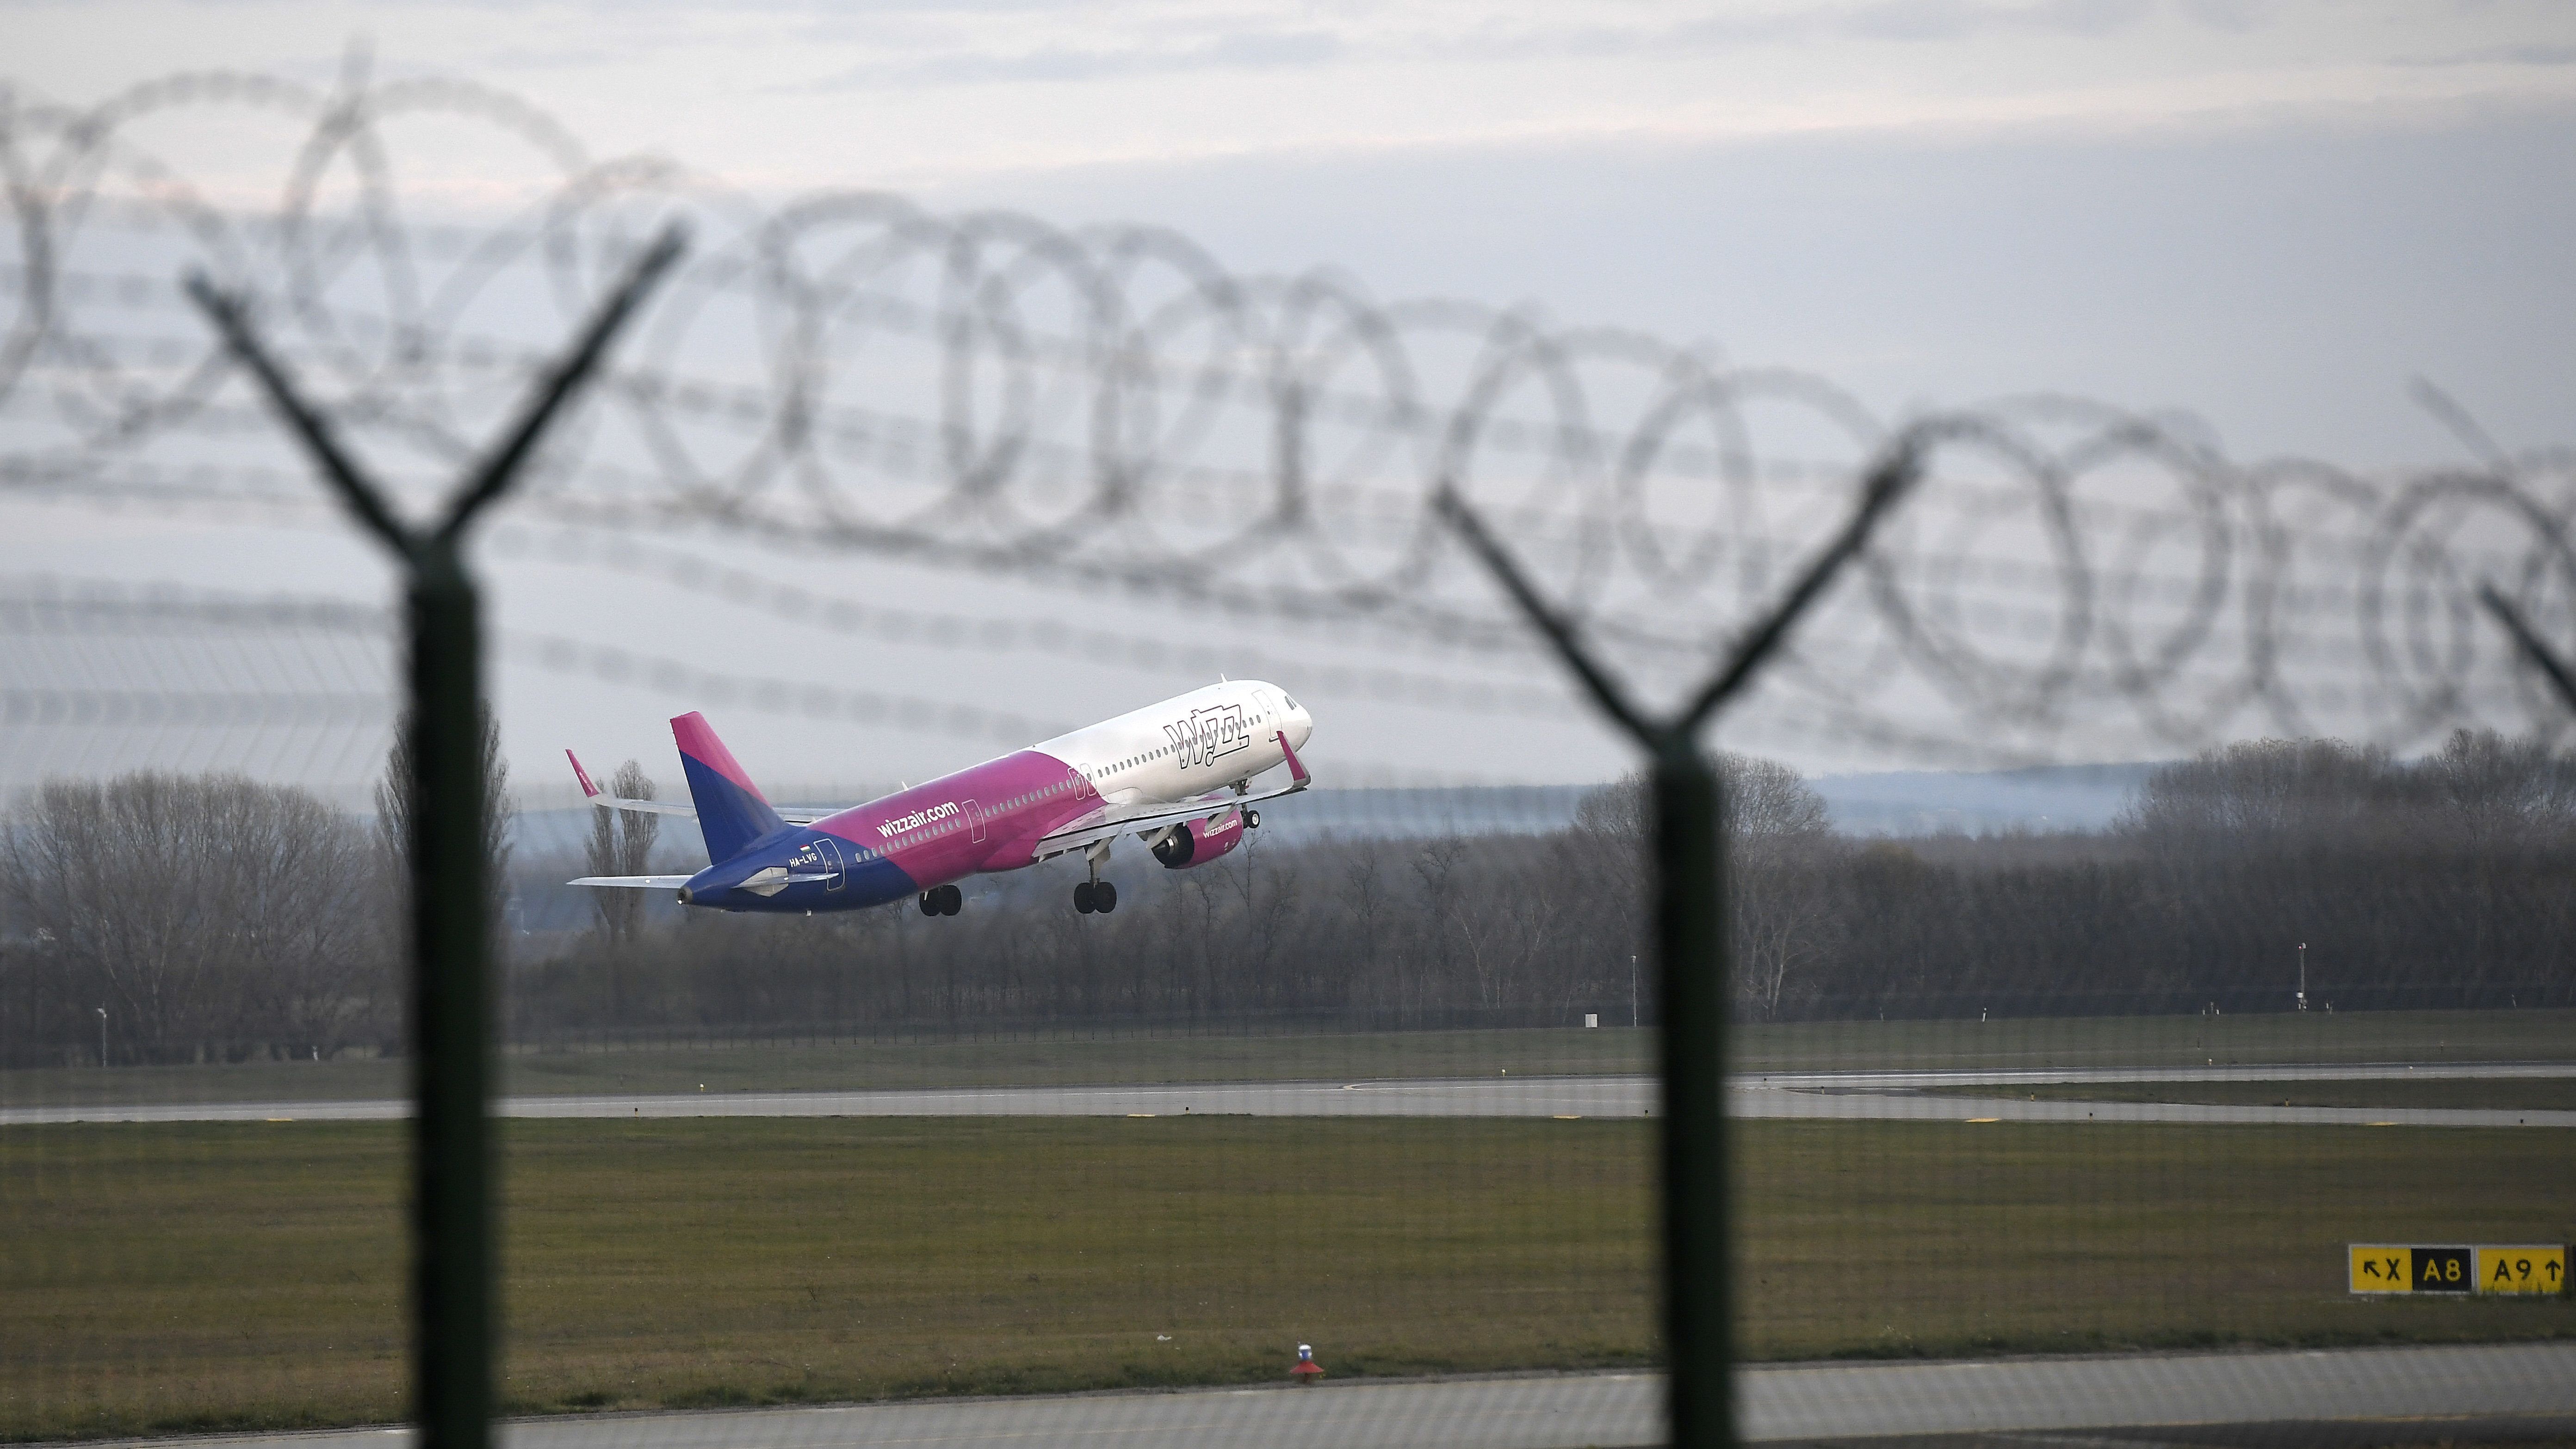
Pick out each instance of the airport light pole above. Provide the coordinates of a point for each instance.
(450, 879)
(102, 1037)
(2303, 976)
(1686, 838)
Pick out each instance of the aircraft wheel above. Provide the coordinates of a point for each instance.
(1104, 898)
(929, 903)
(952, 900)
(1082, 897)
(1252, 820)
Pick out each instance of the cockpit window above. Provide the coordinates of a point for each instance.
(1292, 700)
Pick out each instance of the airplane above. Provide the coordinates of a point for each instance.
(1176, 774)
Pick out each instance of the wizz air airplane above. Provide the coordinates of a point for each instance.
(1178, 775)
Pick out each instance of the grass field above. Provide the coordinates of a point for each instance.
(219, 1275)
(2542, 1094)
(1062, 1061)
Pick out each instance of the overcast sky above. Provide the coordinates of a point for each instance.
(2273, 213)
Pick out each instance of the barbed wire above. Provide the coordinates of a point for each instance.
(103, 675)
(1114, 408)
(288, 662)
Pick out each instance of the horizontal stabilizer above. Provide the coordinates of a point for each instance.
(770, 880)
(634, 882)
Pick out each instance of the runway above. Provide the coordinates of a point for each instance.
(2400, 1388)
(1852, 1095)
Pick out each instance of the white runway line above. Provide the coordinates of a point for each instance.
(1858, 1095)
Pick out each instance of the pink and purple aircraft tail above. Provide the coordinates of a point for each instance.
(732, 813)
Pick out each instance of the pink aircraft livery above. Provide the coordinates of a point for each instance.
(1178, 775)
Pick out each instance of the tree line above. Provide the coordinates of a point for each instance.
(218, 918)
(161, 917)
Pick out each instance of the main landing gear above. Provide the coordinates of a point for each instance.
(945, 900)
(1095, 897)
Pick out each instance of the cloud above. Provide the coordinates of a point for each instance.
(2539, 55)
(1902, 21)
(2237, 16)
(1963, 19)
(1237, 50)
(1256, 48)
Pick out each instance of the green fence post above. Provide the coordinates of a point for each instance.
(1686, 848)
(1690, 956)
(451, 1013)
(452, 1216)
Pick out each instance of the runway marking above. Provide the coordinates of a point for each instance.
(1857, 1095)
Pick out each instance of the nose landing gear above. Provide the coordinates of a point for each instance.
(945, 900)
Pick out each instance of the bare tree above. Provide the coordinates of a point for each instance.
(2499, 792)
(394, 812)
(1779, 912)
(209, 915)
(621, 843)
(2261, 791)
(1766, 803)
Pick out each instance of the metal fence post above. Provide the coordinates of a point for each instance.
(1686, 846)
(452, 1217)
(451, 1011)
(1689, 846)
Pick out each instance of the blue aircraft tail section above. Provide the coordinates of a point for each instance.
(731, 812)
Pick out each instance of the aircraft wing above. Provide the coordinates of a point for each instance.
(1139, 819)
(634, 882)
(792, 814)
(592, 793)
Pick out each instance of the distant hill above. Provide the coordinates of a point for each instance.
(1988, 802)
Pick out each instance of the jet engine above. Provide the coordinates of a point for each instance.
(1197, 842)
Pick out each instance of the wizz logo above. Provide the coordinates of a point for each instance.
(916, 819)
(1208, 734)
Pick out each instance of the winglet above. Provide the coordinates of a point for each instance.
(588, 790)
(1296, 767)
